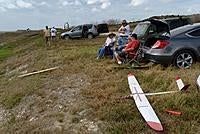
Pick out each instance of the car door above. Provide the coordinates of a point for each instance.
(76, 32)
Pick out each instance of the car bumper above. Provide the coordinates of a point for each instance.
(157, 56)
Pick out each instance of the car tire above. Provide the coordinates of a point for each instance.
(67, 37)
(184, 59)
(90, 36)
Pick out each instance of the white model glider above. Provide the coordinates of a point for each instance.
(143, 104)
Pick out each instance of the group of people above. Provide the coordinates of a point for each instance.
(50, 34)
(127, 44)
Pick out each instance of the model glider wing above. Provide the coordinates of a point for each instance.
(143, 104)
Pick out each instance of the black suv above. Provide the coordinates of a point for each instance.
(153, 27)
(177, 22)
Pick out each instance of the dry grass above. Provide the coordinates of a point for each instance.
(106, 85)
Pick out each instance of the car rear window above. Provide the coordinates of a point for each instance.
(89, 26)
(180, 30)
(141, 29)
(195, 33)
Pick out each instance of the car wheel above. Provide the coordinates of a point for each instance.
(184, 59)
(67, 37)
(90, 36)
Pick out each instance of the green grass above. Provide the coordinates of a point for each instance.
(5, 53)
(106, 86)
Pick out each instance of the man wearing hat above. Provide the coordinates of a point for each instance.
(124, 32)
(107, 48)
(130, 49)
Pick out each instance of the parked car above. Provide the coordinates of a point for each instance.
(181, 48)
(78, 31)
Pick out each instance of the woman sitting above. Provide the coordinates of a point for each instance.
(107, 48)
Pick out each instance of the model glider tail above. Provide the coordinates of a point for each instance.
(181, 85)
(198, 82)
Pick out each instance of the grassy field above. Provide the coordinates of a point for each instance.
(82, 96)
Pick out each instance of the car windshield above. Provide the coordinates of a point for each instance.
(141, 29)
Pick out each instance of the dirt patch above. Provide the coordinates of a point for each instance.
(51, 108)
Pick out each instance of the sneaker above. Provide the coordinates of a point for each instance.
(119, 62)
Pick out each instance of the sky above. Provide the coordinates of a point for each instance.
(36, 14)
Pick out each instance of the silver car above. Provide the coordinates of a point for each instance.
(181, 48)
(77, 32)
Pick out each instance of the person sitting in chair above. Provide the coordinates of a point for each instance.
(107, 48)
(129, 51)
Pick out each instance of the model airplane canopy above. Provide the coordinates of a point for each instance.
(143, 104)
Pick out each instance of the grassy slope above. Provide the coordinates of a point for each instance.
(107, 84)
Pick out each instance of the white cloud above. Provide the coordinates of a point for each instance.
(166, 1)
(103, 3)
(70, 2)
(147, 9)
(90, 2)
(137, 2)
(43, 3)
(11, 6)
(3, 9)
(7, 5)
(77, 3)
(141, 2)
(65, 3)
(95, 9)
(23, 4)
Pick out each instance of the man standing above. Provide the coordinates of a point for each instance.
(53, 33)
(124, 32)
(85, 31)
(47, 35)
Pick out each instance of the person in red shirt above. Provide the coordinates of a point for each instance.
(130, 49)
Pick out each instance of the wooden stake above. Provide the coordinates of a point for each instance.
(38, 72)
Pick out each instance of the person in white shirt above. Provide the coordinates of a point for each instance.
(107, 48)
(53, 33)
(124, 32)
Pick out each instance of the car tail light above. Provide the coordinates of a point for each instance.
(160, 44)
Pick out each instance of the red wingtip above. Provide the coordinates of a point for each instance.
(177, 78)
(130, 74)
(155, 126)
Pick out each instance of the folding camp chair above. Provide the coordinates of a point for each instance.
(135, 58)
